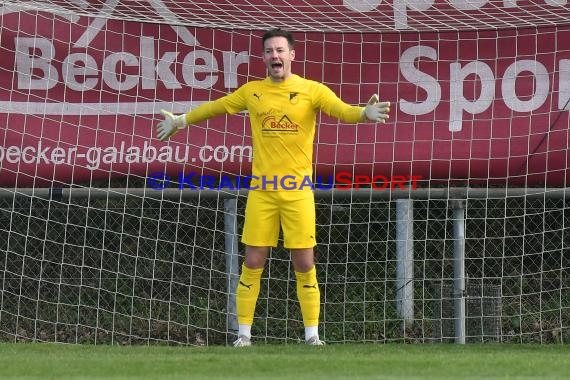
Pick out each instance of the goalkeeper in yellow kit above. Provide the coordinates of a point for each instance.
(282, 110)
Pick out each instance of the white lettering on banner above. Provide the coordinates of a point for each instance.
(221, 153)
(109, 71)
(34, 55)
(541, 84)
(150, 72)
(401, 10)
(361, 5)
(95, 156)
(457, 101)
(36, 67)
(400, 7)
(191, 62)
(421, 79)
(564, 91)
(80, 65)
(487, 79)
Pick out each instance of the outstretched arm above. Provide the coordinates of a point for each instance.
(332, 105)
(174, 123)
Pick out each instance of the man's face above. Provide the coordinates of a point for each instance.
(277, 57)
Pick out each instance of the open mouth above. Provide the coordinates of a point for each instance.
(276, 65)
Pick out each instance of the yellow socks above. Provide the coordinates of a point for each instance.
(307, 292)
(247, 293)
(309, 296)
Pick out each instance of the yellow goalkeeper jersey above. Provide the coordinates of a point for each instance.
(283, 121)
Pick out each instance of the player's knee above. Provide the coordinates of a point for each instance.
(303, 267)
(255, 257)
(303, 260)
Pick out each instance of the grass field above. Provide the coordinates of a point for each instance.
(350, 361)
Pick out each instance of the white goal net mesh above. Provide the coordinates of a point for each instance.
(446, 224)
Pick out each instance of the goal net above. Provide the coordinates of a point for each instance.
(446, 224)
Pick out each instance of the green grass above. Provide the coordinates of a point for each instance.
(351, 361)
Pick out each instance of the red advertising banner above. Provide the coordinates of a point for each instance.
(81, 98)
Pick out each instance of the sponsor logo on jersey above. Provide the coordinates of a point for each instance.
(284, 124)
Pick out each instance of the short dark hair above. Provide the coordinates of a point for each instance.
(278, 32)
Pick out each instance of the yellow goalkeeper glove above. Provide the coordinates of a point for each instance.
(170, 125)
(375, 110)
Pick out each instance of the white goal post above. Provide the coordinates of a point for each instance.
(447, 224)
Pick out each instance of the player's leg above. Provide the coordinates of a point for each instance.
(261, 230)
(247, 291)
(308, 292)
(299, 232)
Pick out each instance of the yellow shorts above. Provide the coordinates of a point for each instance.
(293, 211)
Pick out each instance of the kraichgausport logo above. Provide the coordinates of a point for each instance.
(341, 181)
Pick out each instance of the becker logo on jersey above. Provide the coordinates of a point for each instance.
(284, 124)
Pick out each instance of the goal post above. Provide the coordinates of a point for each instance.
(447, 224)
